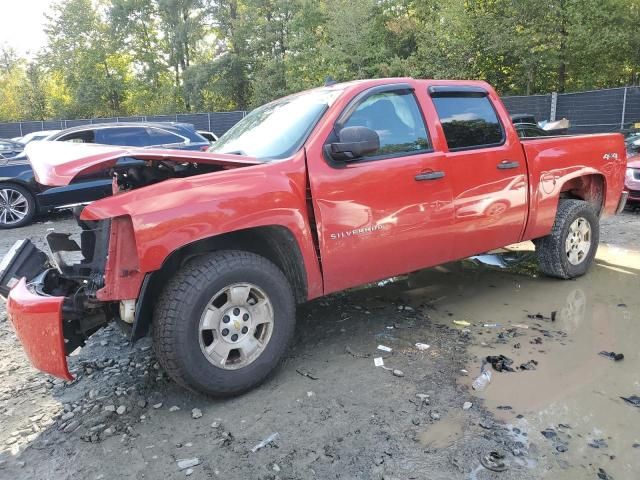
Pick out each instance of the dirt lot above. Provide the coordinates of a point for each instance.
(338, 416)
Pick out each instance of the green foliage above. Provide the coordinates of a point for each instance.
(144, 57)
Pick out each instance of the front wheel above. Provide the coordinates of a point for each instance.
(224, 322)
(568, 251)
(17, 206)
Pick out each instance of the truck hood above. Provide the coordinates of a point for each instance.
(57, 164)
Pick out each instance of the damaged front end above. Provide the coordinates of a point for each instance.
(52, 299)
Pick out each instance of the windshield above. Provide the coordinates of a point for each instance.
(277, 129)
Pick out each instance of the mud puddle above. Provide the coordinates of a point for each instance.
(443, 434)
(573, 393)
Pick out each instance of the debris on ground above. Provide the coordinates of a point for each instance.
(467, 405)
(632, 400)
(530, 365)
(599, 443)
(384, 348)
(602, 475)
(196, 413)
(267, 441)
(491, 325)
(398, 373)
(481, 382)
(188, 463)
(500, 363)
(612, 355)
(422, 346)
(306, 373)
(355, 354)
(378, 362)
(493, 461)
(462, 323)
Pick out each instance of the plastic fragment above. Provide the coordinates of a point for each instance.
(267, 441)
(462, 323)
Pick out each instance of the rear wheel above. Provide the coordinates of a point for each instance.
(568, 251)
(17, 206)
(224, 322)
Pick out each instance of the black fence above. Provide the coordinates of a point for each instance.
(216, 122)
(595, 111)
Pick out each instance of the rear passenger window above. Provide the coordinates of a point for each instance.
(396, 119)
(468, 121)
(123, 136)
(162, 137)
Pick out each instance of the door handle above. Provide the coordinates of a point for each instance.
(507, 164)
(429, 176)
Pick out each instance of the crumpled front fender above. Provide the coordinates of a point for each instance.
(37, 320)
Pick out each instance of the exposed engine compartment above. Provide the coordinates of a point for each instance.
(131, 173)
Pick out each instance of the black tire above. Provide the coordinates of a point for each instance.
(551, 252)
(176, 332)
(31, 206)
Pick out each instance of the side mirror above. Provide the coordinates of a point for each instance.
(355, 142)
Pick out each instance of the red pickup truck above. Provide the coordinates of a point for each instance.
(310, 194)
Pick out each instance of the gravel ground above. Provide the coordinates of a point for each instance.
(329, 412)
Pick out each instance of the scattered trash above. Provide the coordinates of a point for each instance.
(517, 345)
(536, 341)
(622, 305)
(196, 413)
(493, 461)
(481, 382)
(434, 415)
(356, 354)
(633, 400)
(462, 323)
(520, 325)
(422, 346)
(306, 373)
(424, 400)
(504, 407)
(467, 405)
(267, 441)
(539, 316)
(378, 362)
(599, 443)
(492, 325)
(612, 355)
(602, 475)
(500, 363)
(530, 365)
(464, 372)
(398, 373)
(384, 348)
(188, 463)
(549, 433)
(553, 316)
(561, 448)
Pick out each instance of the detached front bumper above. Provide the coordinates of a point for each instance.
(37, 320)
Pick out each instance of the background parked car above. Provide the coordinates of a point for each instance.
(530, 130)
(9, 148)
(35, 136)
(21, 197)
(212, 137)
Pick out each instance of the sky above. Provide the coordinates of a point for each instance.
(21, 24)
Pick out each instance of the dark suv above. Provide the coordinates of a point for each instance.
(21, 197)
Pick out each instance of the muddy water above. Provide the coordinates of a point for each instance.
(572, 386)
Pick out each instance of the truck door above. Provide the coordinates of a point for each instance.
(488, 170)
(388, 212)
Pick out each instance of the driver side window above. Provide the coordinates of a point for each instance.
(396, 118)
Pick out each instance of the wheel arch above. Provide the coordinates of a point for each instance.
(274, 242)
(591, 188)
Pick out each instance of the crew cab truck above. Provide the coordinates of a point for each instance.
(308, 195)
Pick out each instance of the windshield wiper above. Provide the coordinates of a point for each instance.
(236, 152)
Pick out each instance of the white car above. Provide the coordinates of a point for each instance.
(35, 136)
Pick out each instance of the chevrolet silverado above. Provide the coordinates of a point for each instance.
(210, 252)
